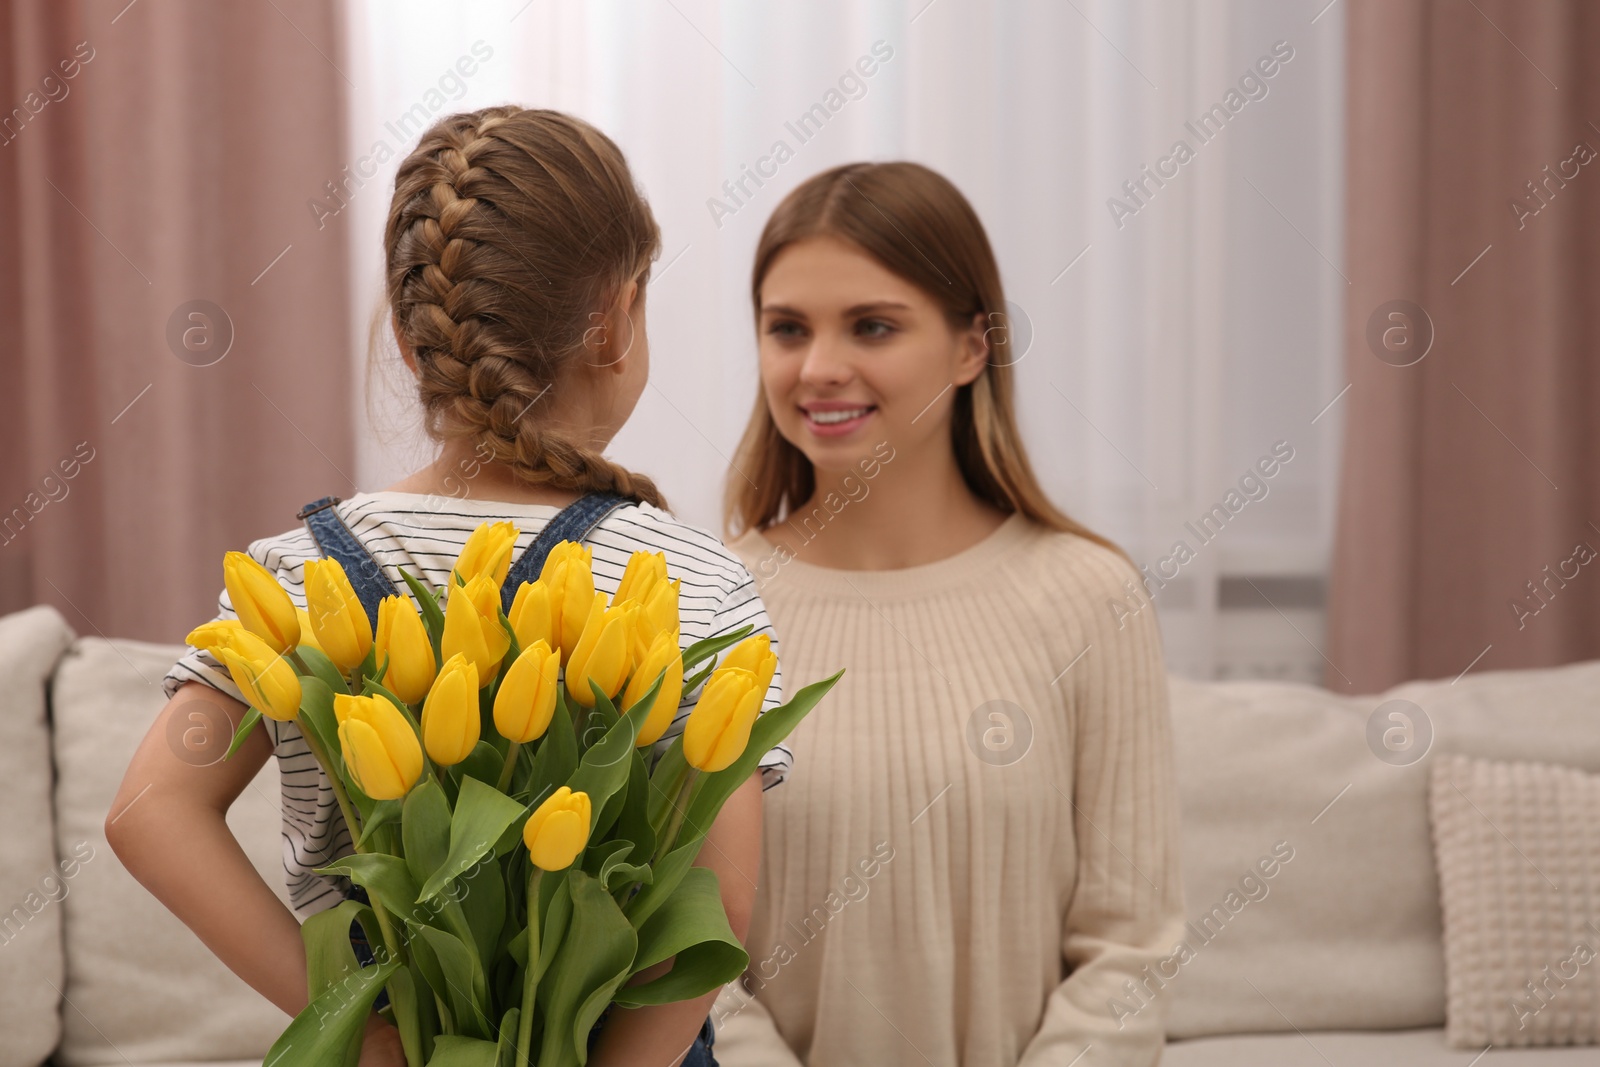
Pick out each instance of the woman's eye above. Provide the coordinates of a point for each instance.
(874, 328)
(785, 330)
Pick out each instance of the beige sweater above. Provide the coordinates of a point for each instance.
(976, 851)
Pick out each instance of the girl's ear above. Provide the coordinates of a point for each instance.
(610, 335)
(975, 353)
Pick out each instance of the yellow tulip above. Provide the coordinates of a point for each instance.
(558, 829)
(719, 726)
(337, 617)
(472, 626)
(379, 746)
(658, 614)
(402, 637)
(644, 571)
(604, 651)
(754, 654)
(307, 638)
(487, 551)
(532, 618)
(269, 683)
(568, 572)
(228, 633)
(663, 655)
(450, 719)
(526, 699)
(263, 605)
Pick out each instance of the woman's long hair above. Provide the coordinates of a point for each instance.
(918, 226)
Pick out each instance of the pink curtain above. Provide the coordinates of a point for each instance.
(1469, 518)
(173, 324)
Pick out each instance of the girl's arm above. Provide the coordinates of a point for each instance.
(168, 826)
(660, 1035)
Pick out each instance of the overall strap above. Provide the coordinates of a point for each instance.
(573, 523)
(335, 539)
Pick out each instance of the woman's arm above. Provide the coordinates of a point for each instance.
(660, 1035)
(1126, 911)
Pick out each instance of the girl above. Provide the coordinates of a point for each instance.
(975, 861)
(516, 249)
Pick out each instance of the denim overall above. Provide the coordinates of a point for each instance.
(371, 585)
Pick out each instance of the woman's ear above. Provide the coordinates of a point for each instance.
(975, 351)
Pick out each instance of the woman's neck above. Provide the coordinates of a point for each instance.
(886, 514)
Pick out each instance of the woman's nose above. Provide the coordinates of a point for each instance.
(826, 363)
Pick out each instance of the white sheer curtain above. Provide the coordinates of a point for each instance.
(1174, 341)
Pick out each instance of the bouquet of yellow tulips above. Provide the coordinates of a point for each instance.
(521, 857)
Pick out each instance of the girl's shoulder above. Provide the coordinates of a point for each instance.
(693, 553)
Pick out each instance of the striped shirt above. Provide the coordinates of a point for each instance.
(424, 533)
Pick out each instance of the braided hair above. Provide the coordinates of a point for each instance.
(509, 228)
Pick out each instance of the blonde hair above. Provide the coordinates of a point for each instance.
(509, 228)
(915, 223)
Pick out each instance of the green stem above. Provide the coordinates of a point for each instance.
(525, 1020)
(345, 808)
(511, 764)
(680, 807)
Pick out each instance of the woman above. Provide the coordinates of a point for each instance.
(975, 858)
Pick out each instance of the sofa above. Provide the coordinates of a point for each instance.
(1337, 961)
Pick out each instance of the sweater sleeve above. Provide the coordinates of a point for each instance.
(1126, 910)
(744, 1034)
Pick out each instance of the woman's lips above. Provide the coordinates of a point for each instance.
(835, 421)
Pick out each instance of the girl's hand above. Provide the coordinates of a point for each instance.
(380, 1046)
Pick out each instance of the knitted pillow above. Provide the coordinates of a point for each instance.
(1518, 850)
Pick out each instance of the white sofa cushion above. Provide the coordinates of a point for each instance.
(1396, 1048)
(141, 987)
(1348, 933)
(32, 880)
(1518, 847)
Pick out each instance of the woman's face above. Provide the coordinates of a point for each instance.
(853, 355)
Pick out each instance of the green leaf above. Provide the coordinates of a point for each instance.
(665, 781)
(466, 988)
(428, 605)
(483, 900)
(451, 1050)
(595, 957)
(633, 823)
(605, 766)
(330, 958)
(414, 1013)
(483, 763)
(667, 874)
(425, 829)
(506, 1048)
(555, 916)
(382, 813)
(246, 724)
(324, 1033)
(482, 814)
(712, 790)
(691, 928)
(324, 669)
(615, 869)
(707, 648)
(557, 755)
(386, 881)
